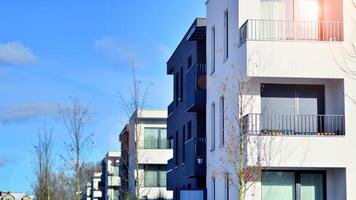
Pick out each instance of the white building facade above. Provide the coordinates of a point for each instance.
(292, 64)
(95, 190)
(148, 129)
(110, 176)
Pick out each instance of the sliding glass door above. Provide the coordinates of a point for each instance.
(289, 19)
(278, 186)
(293, 185)
(311, 186)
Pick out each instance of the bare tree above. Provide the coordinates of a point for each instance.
(62, 186)
(75, 118)
(44, 162)
(133, 106)
(244, 165)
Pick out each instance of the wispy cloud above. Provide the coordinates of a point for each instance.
(24, 112)
(3, 162)
(15, 53)
(164, 51)
(115, 50)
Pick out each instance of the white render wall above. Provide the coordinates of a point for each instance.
(288, 62)
(147, 118)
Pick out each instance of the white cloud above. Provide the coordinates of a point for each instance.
(16, 53)
(24, 112)
(115, 50)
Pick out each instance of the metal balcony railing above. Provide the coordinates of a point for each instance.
(196, 90)
(195, 157)
(276, 30)
(288, 124)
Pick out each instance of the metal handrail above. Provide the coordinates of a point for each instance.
(279, 30)
(293, 124)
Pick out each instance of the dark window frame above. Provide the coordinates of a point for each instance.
(226, 35)
(297, 181)
(213, 47)
(190, 61)
(159, 139)
(159, 168)
(183, 143)
(189, 132)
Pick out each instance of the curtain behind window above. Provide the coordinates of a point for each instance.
(151, 176)
(151, 138)
(276, 16)
(277, 9)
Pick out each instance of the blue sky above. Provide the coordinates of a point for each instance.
(50, 50)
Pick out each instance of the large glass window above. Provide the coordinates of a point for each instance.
(212, 55)
(155, 176)
(156, 138)
(212, 128)
(278, 186)
(222, 122)
(289, 185)
(226, 35)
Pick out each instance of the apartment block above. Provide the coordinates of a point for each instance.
(145, 152)
(284, 70)
(110, 179)
(186, 115)
(95, 187)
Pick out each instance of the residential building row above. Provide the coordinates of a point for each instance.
(105, 185)
(140, 168)
(145, 151)
(277, 77)
(14, 196)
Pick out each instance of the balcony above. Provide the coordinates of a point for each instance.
(287, 124)
(195, 157)
(171, 165)
(196, 88)
(280, 30)
(171, 108)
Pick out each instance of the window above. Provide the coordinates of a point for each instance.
(212, 50)
(212, 128)
(181, 85)
(156, 138)
(176, 89)
(227, 186)
(155, 176)
(190, 62)
(189, 136)
(222, 122)
(226, 35)
(293, 185)
(213, 188)
(176, 148)
(183, 144)
(301, 103)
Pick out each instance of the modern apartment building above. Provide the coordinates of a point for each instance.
(96, 187)
(285, 68)
(146, 152)
(186, 114)
(124, 163)
(110, 179)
